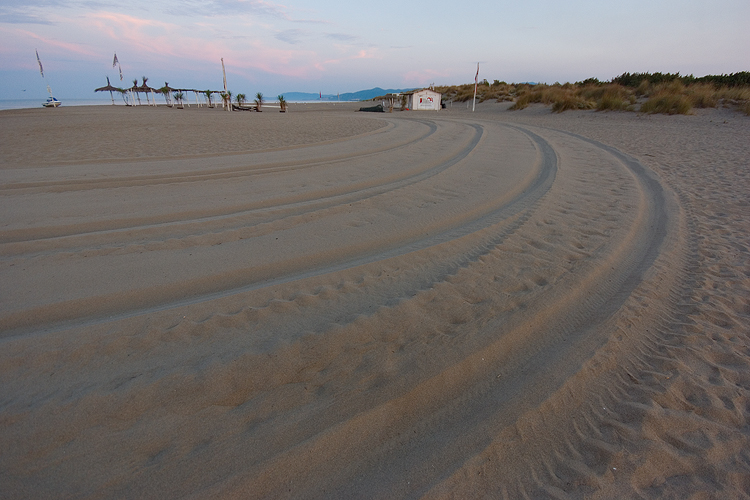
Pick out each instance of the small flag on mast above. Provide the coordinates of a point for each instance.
(41, 69)
(116, 62)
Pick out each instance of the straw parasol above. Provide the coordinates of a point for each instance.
(134, 91)
(109, 88)
(195, 93)
(146, 89)
(166, 91)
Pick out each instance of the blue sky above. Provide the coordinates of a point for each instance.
(343, 46)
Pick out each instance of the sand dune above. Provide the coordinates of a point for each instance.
(330, 304)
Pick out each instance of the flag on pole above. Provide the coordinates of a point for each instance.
(41, 69)
(116, 62)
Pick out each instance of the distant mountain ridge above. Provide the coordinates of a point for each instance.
(362, 95)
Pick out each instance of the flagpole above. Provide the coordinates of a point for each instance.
(473, 103)
(224, 72)
(41, 70)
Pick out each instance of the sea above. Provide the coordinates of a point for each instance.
(37, 103)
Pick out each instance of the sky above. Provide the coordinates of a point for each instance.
(333, 46)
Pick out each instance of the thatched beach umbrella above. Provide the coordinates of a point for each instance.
(184, 93)
(200, 94)
(167, 91)
(146, 89)
(109, 88)
(134, 90)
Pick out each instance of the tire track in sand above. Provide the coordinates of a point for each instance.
(497, 202)
(379, 376)
(477, 397)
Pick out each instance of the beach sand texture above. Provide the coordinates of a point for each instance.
(330, 304)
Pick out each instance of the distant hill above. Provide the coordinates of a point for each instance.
(362, 95)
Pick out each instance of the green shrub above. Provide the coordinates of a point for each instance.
(589, 81)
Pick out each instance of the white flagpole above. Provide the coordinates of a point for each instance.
(473, 103)
(224, 71)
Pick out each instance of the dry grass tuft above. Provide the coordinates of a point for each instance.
(571, 102)
(734, 93)
(670, 104)
(522, 102)
(643, 88)
(614, 97)
(702, 95)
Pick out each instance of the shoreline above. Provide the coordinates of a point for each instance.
(18, 104)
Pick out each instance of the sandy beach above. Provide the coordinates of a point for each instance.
(332, 304)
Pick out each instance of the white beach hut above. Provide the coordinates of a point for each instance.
(425, 99)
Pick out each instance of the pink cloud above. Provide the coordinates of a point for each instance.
(292, 63)
(197, 47)
(134, 31)
(420, 77)
(168, 41)
(50, 42)
(362, 54)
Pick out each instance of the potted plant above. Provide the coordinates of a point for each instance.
(282, 104)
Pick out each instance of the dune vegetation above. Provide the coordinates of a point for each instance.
(642, 92)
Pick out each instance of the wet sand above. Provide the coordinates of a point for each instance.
(325, 303)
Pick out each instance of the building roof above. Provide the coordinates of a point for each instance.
(412, 92)
(421, 90)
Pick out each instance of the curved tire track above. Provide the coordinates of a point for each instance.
(286, 213)
(378, 369)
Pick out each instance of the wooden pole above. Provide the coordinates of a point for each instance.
(473, 103)
(224, 71)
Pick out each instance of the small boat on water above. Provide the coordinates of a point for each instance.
(51, 101)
